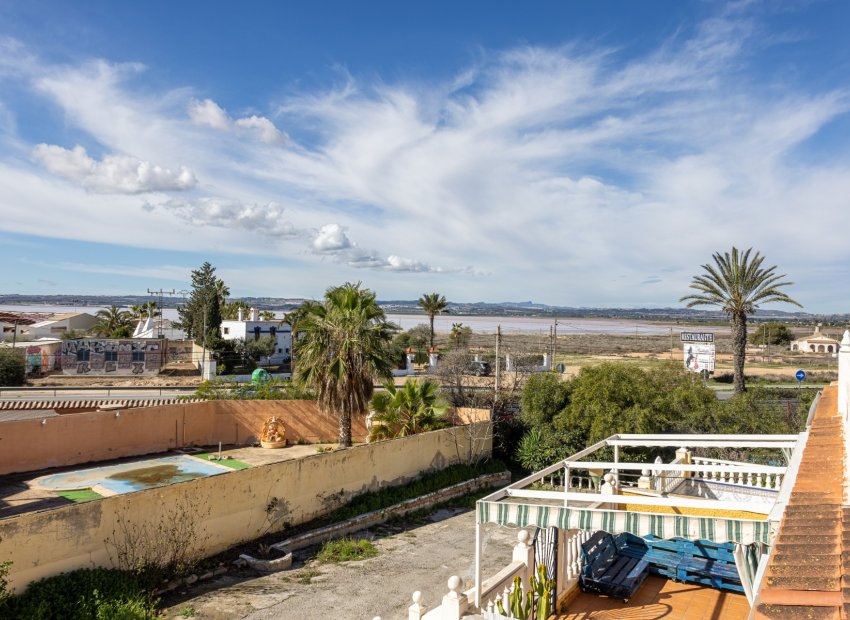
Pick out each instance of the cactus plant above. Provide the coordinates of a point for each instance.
(542, 587)
(522, 603)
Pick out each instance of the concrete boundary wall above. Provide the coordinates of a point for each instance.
(72, 439)
(229, 508)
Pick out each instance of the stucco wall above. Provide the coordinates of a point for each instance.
(234, 505)
(29, 445)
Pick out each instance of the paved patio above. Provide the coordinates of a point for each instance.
(661, 598)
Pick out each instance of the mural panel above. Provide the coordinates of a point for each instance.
(108, 356)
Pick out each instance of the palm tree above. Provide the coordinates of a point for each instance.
(230, 310)
(136, 312)
(738, 283)
(414, 408)
(267, 315)
(222, 291)
(433, 304)
(113, 323)
(150, 308)
(342, 348)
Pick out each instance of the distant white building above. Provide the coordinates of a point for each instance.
(55, 325)
(816, 343)
(252, 328)
(158, 328)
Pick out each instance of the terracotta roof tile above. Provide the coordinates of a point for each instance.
(807, 573)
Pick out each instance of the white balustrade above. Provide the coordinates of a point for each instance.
(417, 610)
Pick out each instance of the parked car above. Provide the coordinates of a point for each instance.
(479, 369)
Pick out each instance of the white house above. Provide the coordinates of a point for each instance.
(816, 343)
(54, 325)
(254, 328)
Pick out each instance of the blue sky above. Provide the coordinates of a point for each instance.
(576, 153)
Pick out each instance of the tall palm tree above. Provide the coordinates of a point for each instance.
(222, 291)
(433, 304)
(738, 283)
(414, 408)
(342, 349)
(113, 323)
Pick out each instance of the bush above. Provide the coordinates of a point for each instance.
(86, 594)
(4, 592)
(12, 367)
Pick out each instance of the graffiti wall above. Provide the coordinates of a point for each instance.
(106, 356)
(43, 357)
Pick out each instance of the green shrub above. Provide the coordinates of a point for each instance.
(346, 550)
(12, 367)
(85, 594)
(4, 592)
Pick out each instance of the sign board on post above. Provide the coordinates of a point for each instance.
(801, 375)
(699, 352)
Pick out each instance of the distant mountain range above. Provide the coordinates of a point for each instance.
(397, 306)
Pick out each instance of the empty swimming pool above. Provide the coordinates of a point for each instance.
(135, 476)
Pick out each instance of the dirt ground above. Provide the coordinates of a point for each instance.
(417, 557)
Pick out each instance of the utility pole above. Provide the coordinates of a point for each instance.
(498, 365)
(161, 294)
(554, 343)
(671, 344)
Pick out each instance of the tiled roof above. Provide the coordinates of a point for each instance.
(804, 578)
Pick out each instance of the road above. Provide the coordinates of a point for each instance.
(94, 393)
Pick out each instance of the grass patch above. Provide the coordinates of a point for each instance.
(231, 463)
(375, 500)
(80, 495)
(304, 576)
(346, 550)
(83, 594)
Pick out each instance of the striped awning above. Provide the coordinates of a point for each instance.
(742, 531)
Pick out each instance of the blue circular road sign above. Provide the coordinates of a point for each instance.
(801, 375)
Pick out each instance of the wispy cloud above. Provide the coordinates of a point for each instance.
(542, 170)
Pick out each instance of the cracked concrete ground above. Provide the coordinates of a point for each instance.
(411, 557)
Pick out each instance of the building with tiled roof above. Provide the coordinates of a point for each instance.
(818, 342)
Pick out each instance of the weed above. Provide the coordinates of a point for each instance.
(305, 576)
(346, 550)
(188, 612)
(322, 449)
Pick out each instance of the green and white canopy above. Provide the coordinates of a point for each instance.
(741, 531)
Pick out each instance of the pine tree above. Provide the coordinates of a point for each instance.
(200, 317)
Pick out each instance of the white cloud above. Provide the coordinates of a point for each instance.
(262, 127)
(331, 238)
(208, 113)
(114, 174)
(268, 219)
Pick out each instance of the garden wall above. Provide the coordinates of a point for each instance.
(230, 508)
(30, 445)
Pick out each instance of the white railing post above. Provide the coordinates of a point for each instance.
(523, 552)
(417, 610)
(454, 603)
